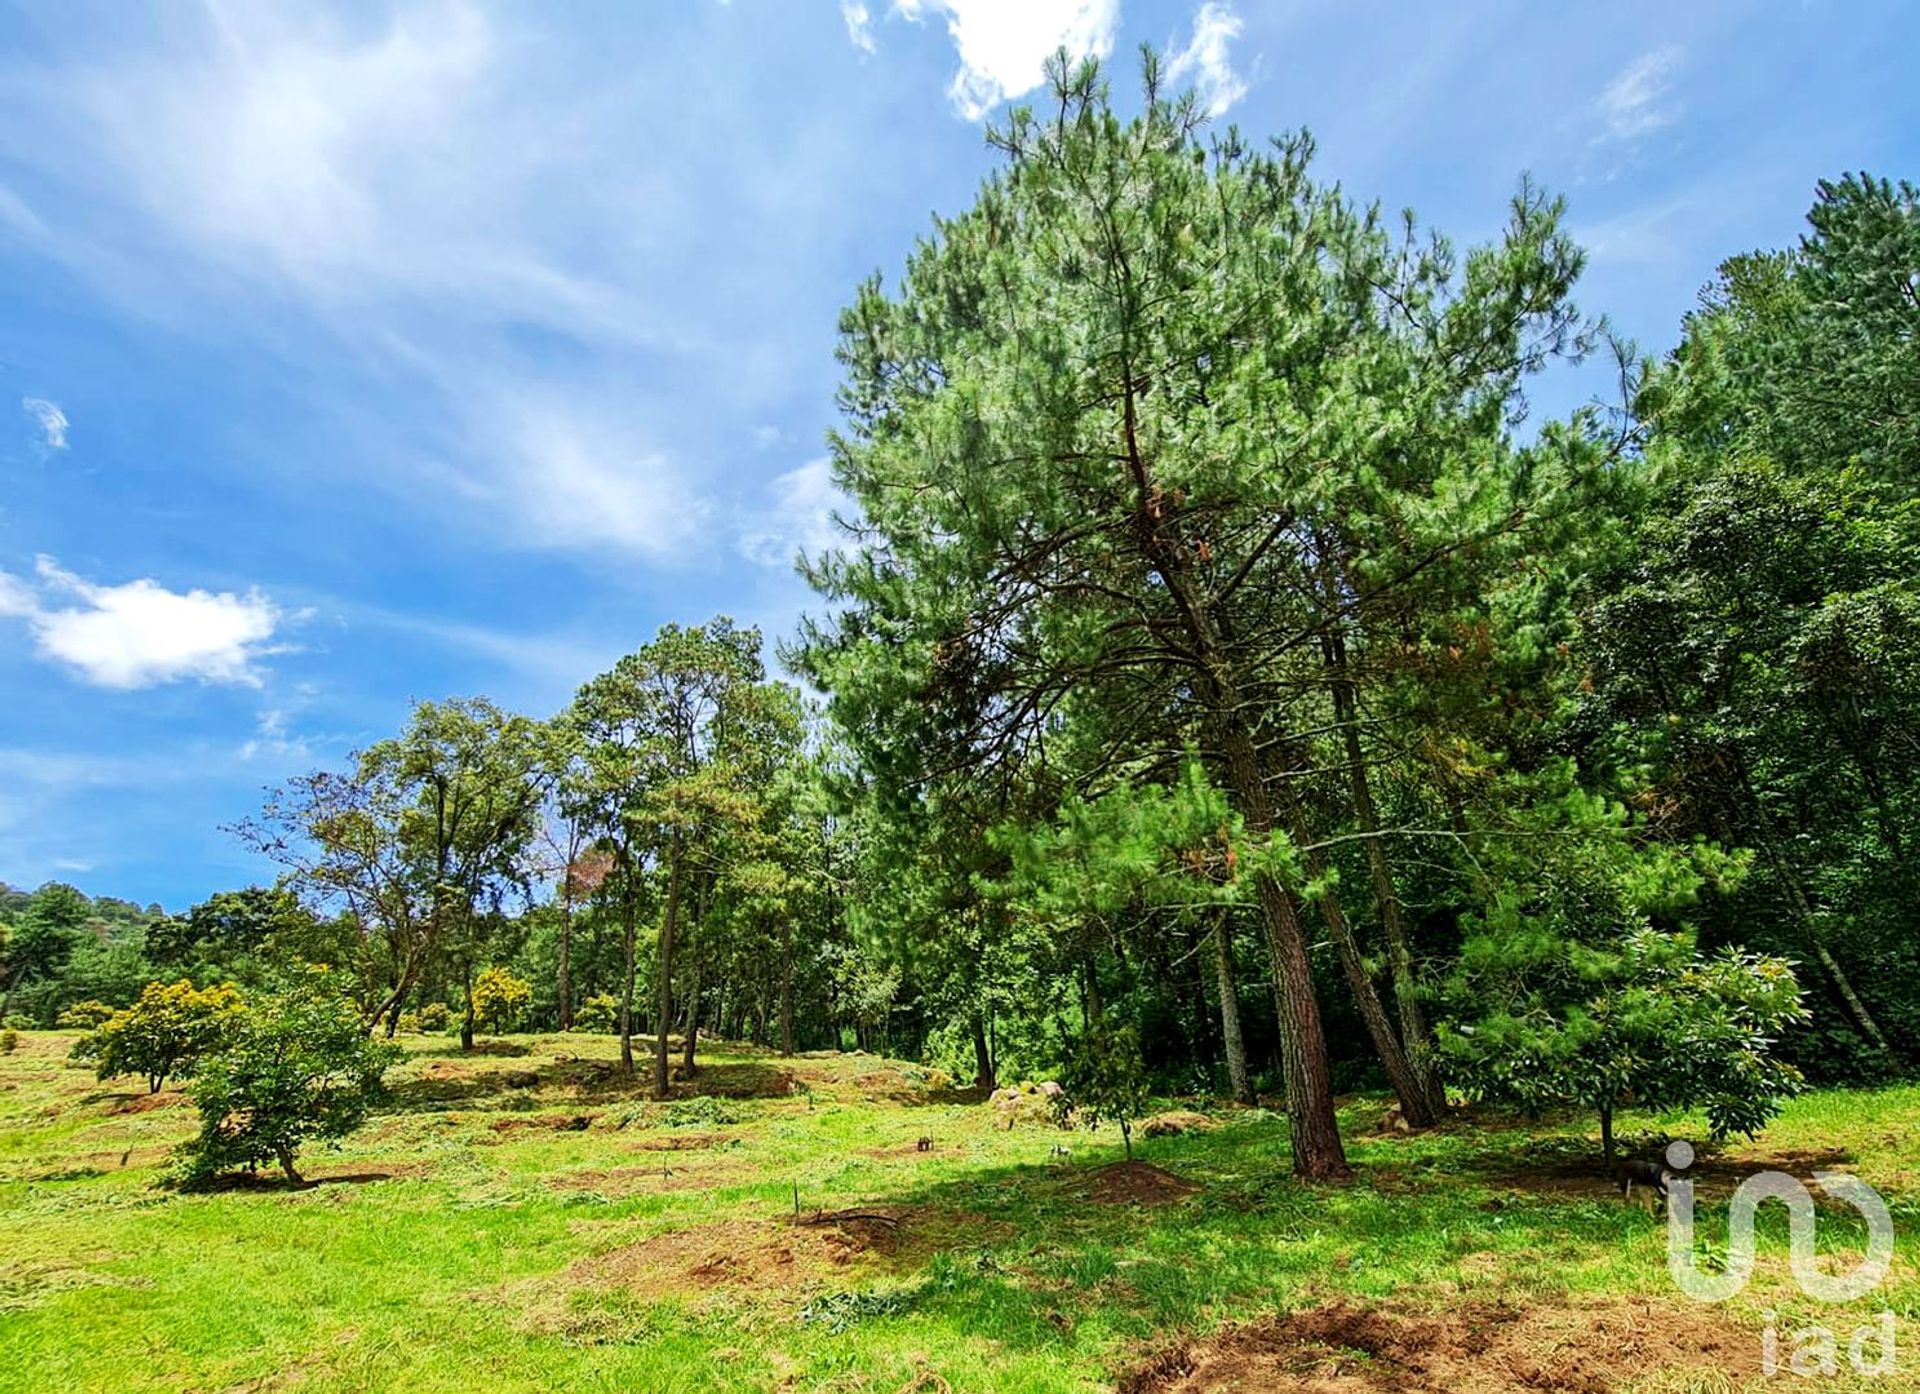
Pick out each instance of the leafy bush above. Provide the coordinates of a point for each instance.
(84, 1016)
(500, 999)
(703, 1111)
(163, 1035)
(16, 1022)
(599, 1014)
(295, 1067)
(1106, 1081)
(1653, 1023)
(9, 1041)
(432, 1016)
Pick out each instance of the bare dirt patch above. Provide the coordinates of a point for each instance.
(684, 1142)
(544, 1122)
(1589, 1348)
(788, 1254)
(121, 1104)
(1135, 1183)
(642, 1180)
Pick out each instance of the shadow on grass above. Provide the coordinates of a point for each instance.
(1032, 1252)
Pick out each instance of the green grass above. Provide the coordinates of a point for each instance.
(461, 1242)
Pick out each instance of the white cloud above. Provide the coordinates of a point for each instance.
(573, 474)
(271, 738)
(800, 517)
(1204, 61)
(1633, 104)
(1004, 44)
(859, 24)
(49, 418)
(140, 633)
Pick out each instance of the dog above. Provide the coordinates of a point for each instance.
(1656, 1177)
(925, 1144)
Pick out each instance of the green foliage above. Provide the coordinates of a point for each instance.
(1649, 1022)
(295, 1067)
(1106, 1081)
(165, 1034)
(84, 1016)
(9, 1041)
(600, 1013)
(433, 1016)
(701, 1111)
(500, 999)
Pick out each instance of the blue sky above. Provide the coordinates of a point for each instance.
(374, 353)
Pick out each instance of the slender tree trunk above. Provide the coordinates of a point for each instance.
(693, 1020)
(1414, 1104)
(1803, 911)
(668, 924)
(565, 985)
(983, 1071)
(466, 1017)
(1415, 1034)
(786, 986)
(285, 1154)
(394, 1001)
(629, 933)
(1235, 1042)
(1606, 1132)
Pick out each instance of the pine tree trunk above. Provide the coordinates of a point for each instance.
(1235, 1042)
(693, 1020)
(629, 934)
(668, 923)
(1315, 1132)
(565, 985)
(466, 1015)
(1414, 1105)
(983, 1071)
(1809, 923)
(1415, 1034)
(786, 986)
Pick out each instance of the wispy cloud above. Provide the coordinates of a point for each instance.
(1635, 103)
(1205, 62)
(859, 24)
(140, 633)
(1004, 46)
(800, 517)
(51, 421)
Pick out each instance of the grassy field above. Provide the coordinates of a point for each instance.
(521, 1219)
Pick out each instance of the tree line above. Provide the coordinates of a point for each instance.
(1224, 682)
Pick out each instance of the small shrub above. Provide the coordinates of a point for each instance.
(432, 1016)
(296, 1067)
(703, 1111)
(1106, 1081)
(9, 1041)
(84, 1016)
(17, 1022)
(598, 1014)
(500, 999)
(163, 1035)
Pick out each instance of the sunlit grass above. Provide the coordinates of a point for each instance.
(458, 1265)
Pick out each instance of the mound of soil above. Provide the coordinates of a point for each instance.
(545, 1122)
(682, 1142)
(1593, 1348)
(627, 1181)
(759, 1254)
(794, 1252)
(1135, 1183)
